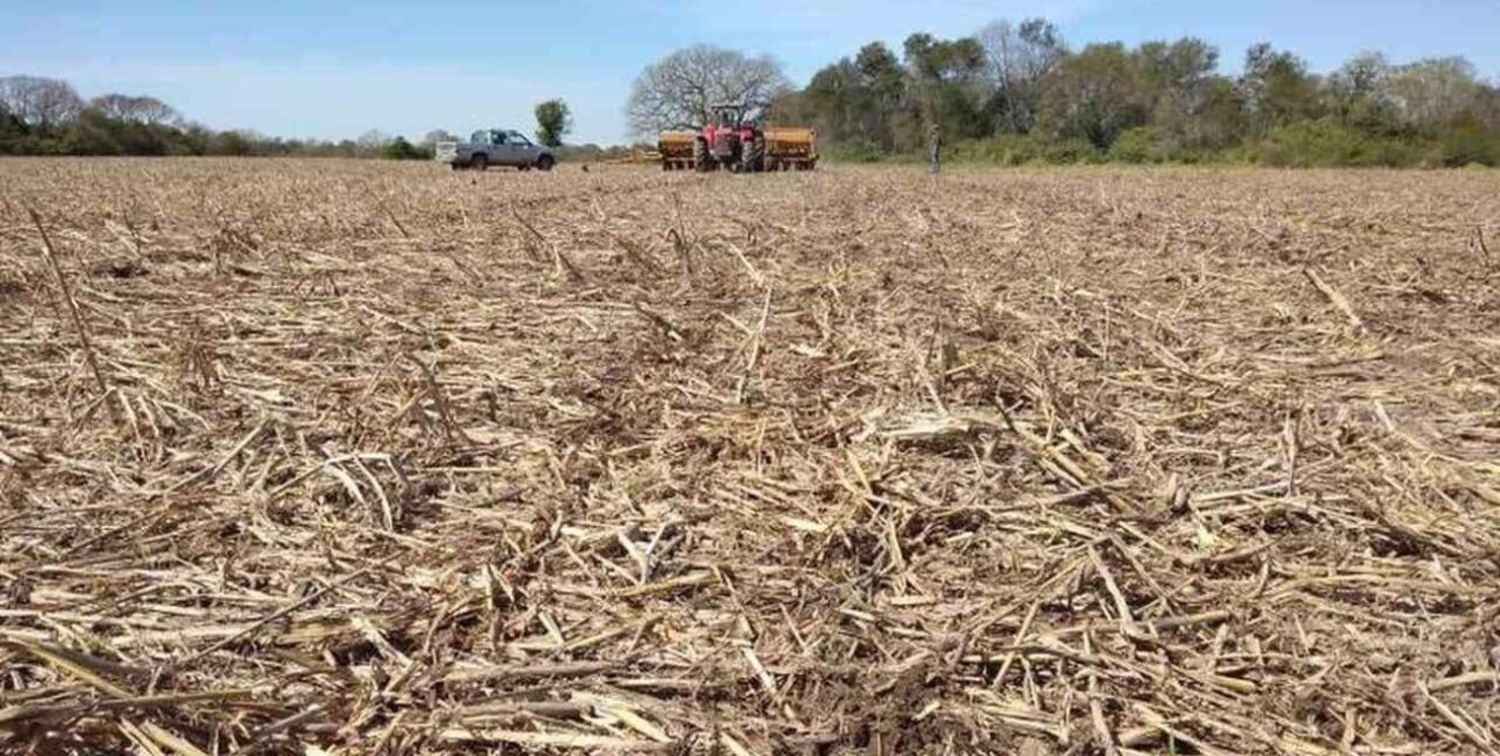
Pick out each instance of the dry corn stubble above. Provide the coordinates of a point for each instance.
(387, 459)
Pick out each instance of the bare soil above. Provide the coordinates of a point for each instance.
(380, 458)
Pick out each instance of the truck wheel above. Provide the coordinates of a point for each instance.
(479, 162)
(545, 163)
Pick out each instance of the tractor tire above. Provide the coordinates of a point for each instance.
(480, 162)
(753, 156)
(702, 161)
(545, 163)
(736, 158)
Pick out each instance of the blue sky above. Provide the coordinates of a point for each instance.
(338, 69)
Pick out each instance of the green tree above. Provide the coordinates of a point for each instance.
(860, 99)
(553, 121)
(232, 143)
(885, 89)
(1487, 106)
(1095, 95)
(15, 137)
(1189, 106)
(1220, 122)
(788, 106)
(1172, 74)
(1277, 88)
(948, 84)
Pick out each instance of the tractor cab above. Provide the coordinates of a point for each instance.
(731, 116)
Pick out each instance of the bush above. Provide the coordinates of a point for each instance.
(1137, 145)
(1024, 149)
(1326, 143)
(1468, 143)
(231, 143)
(400, 149)
(1069, 151)
(1006, 149)
(859, 150)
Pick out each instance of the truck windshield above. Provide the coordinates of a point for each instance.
(517, 137)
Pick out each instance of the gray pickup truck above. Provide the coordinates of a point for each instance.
(488, 147)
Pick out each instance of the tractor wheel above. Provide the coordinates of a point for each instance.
(479, 162)
(701, 159)
(753, 156)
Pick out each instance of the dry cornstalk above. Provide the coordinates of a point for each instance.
(1027, 479)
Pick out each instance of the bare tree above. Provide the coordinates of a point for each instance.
(1357, 93)
(1432, 93)
(1018, 58)
(40, 101)
(681, 88)
(154, 111)
(113, 105)
(373, 140)
(140, 109)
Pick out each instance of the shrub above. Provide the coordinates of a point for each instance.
(400, 149)
(1326, 143)
(1069, 151)
(1136, 145)
(1468, 143)
(1023, 149)
(1014, 149)
(986, 151)
(858, 150)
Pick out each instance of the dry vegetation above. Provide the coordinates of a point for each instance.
(392, 460)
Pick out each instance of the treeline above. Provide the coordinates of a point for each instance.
(1019, 93)
(43, 116)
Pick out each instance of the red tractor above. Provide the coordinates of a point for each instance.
(730, 140)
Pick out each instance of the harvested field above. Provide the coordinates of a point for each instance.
(386, 459)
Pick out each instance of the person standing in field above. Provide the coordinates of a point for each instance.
(934, 147)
